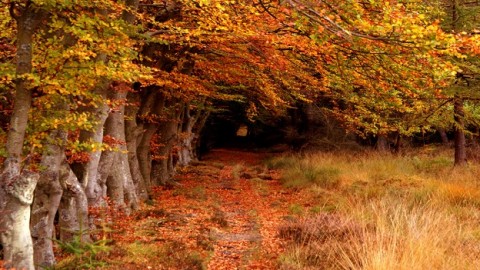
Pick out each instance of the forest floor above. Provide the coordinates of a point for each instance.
(224, 213)
(325, 210)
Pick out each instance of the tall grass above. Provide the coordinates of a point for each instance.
(300, 173)
(402, 212)
(396, 236)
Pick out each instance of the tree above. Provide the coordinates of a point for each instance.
(57, 72)
(391, 67)
(17, 181)
(460, 17)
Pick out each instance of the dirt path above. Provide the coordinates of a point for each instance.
(249, 239)
(224, 214)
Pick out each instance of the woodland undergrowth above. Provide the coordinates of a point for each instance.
(381, 211)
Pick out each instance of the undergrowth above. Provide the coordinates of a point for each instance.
(375, 211)
(170, 255)
(82, 254)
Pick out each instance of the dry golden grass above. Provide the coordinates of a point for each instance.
(405, 212)
(398, 236)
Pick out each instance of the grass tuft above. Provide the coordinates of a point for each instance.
(300, 172)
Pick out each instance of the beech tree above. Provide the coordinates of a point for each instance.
(17, 180)
(58, 72)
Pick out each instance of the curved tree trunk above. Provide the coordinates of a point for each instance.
(95, 190)
(398, 143)
(185, 149)
(46, 201)
(17, 184)
(132, 133)
(197, 140)
(73, 208)
(105, 166)
(162, 170)
(108, 157)
(15, 234)
(89, 170)
(198, 130)
(132, 195)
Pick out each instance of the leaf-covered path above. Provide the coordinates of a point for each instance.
(224, 214)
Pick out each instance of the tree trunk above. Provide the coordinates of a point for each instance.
(382, 143)
(185, 150)
(150, 128)
(398, 143)
(73, 208)
(120, 182)
(106, 166)
(197, 140)
(17, 186)
(460, 145)
(191, 128)
(46, 201)
(132, 133)
(89, 170)
(443, 135)
(95, 190)
(132, 187)
(163, 169)
(15, 235)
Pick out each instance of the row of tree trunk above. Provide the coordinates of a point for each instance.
(32, 200)
(125, 173)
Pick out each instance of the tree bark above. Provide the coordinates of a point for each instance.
(191, 128)
(17, 185)
(132, 133)
(120, 183)
(105, 166)
(163, 169)
(89, 171)
(460, 145)
(73, 208)
(108, 157)
(382, 143)
(443, 135)
(150, 128)
(15, 234)
(197, 140)
(398, 143)
(185, 150)
(46, 201)
(94, 189)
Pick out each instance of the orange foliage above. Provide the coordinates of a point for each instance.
(77, 157)
(112, 142)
